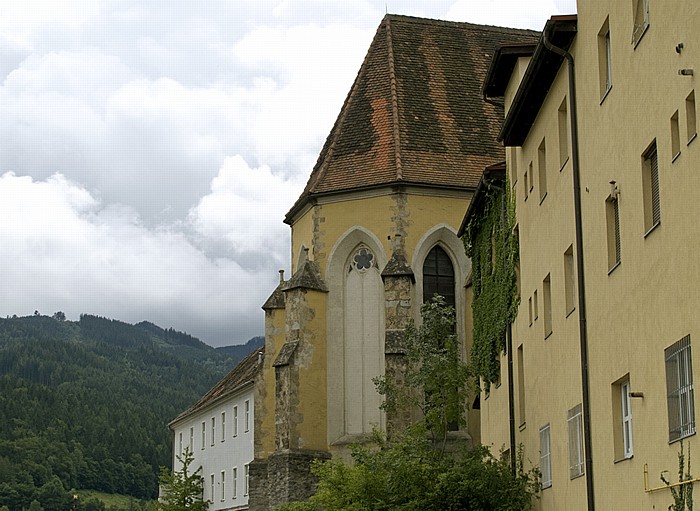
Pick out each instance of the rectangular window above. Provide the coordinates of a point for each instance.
(675, 136)
(235, 421)
(563, 134)
(612, 217)
(650, 188)
(542, 169)
(247, 480)
(575, 442)
(213, 429)
(545, 457)
(211, 491)
(679, 390)
(180, 449)
(223, 485)
(526, 181)
(690, 117)
(604, 60)
(192, 438)
(622, 418)
(223, 426)
(513, 166)
(529, 309)
(234, 482)
(534, 305)
(626, 416)
(569, 283)
(204, 435)
(640, 9)
(247, 416)
(521, 385)
(547, 305)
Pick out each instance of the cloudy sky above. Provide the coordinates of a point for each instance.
(149, 149)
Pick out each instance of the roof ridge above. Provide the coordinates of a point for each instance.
(394, 101)
(458, 24)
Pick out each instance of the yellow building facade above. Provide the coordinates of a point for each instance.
(602, 159)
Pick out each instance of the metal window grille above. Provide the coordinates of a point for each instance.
(679, 390)
(653, 159)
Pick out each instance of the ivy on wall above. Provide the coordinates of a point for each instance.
(492, 245)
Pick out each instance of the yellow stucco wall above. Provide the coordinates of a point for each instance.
(645, 304)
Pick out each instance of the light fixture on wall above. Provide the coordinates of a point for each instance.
(614, 190)
(679, 48)
(688, 71)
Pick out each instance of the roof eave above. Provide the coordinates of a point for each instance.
(539, 76)
(501, 67)
(493, 175)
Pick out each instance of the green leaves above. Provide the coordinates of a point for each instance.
(182, 489)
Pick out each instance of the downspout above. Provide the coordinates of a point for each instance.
(583, 329)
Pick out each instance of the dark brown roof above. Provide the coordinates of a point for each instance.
(415, 113)
(242, 374)
(544, 65)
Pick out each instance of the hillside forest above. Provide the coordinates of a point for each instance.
(84, 405)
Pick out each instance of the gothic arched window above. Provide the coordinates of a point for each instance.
(439, 276)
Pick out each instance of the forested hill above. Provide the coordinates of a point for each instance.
(85, 404)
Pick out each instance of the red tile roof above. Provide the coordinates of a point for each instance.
(243, 374)
(415, 114)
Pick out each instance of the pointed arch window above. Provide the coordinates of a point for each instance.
(439, 276)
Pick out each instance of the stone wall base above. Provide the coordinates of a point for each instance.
(284, 477)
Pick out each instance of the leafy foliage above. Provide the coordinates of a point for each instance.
(182, 489)
(84, 405)
(412, 471)
(492, 245)
(683, 494)
(435, 378)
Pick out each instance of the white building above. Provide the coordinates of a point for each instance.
(218, 429)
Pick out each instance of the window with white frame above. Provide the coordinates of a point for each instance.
(223, 485)
(180, 447)
(204, 435)
(247, 415)
(545, 457)
(247, 479)
(192, 438)
(234, 482)
(213, 429)
(612, 221)
(626, 402)
(223, 426)
(211, 491)
(640, 9)
(574, 423)
(235, 420)
(690, 117)
(604, 60)
(679, 390)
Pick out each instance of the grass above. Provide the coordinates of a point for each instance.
(111, 500)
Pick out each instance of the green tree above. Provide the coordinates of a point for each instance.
(182, 489)
(412, 470)
(35, 506)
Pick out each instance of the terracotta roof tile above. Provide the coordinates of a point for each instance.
(415, 113)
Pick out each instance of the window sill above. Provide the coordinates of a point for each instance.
(652, 228)
(547, 336)
(605, 94)
(577, 476)
(681, 438)
(571, 311)
(675, 157)
(620, 460)
(636, 41)
(522, 426)
(695, 135)
(543, 198)
(545, 486)
(564, 164)
(614, 266)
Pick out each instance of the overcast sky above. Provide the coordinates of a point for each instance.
(149, 149)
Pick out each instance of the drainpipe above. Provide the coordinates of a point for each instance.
(583, 329)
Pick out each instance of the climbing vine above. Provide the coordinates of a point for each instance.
(492, 245)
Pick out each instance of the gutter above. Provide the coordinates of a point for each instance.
(583, 328)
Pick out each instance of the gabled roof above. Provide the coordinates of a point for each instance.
(243, 374)
(415, 113)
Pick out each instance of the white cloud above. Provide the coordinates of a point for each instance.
(509, 13)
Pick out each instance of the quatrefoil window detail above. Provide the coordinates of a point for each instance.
(363, 259)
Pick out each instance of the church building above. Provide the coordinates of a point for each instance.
(373, 235)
